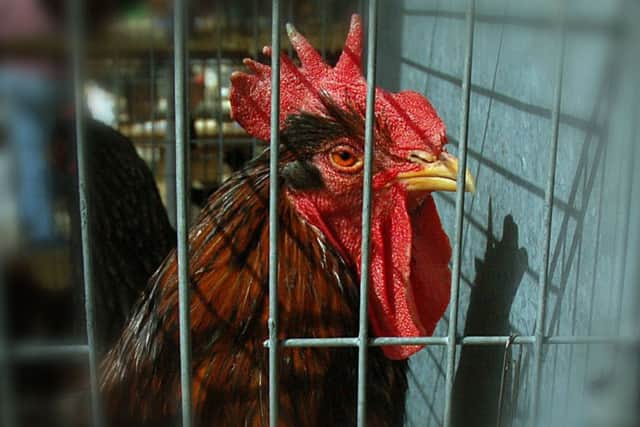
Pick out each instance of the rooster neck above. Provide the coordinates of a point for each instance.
(231, 255)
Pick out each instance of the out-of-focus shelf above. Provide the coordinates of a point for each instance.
(148, 134)
(121, 48)
(228, 141)
(233, 46)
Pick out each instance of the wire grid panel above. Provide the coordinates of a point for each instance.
(512, 119)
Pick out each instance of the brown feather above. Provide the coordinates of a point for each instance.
(318, 294)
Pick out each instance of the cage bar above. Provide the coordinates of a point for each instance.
(219, 99)
(480, 340)
(170, 151)
(546, 233)
(372, 33)
(503, 378)
(7, 399)
(182, 153)
(254, 54)
(39, 352)
(323, 29)
(273, 213)
(626, 189)
(76, 40)
(457, 252)
(152, 109)
(290, 20)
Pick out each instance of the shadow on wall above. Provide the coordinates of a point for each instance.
(498, 276)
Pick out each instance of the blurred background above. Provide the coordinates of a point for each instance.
(128, 87)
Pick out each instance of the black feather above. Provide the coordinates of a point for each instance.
(304, 133)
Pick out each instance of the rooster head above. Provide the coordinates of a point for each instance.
(322, 120)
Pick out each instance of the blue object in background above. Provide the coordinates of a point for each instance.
(30, 104)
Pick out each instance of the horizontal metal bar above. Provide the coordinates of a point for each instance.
(469, 340)
(22, 352)
(376, 342)
(573, 24)
(27, 351)
(619, 340)
(319, 342)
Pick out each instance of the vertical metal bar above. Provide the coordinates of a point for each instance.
(7, 400)
(363, 332)
(290, 20)
(220, 165)
(506, 368)
(626, 189)
(152, 110)
(76, 41)
(198, 140)
(460, 193)
(323, 29)
(182, 152)
(273, 213)
(254, 54)
(170, 152)
(362, 11)
(546, 231)
(116, 82)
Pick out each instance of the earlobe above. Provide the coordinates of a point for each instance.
(302, 175)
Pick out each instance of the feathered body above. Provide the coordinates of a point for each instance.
(130, 228)
(229, 310)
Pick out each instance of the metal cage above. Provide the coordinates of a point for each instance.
(557, 25)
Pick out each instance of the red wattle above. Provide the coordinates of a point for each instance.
(410, 277)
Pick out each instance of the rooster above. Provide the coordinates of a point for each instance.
(126, 203)
(319, 210)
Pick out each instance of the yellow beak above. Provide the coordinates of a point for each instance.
(437, 175)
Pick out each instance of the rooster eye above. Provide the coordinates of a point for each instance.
(344, 158)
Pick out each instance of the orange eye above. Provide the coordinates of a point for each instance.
(345, 158)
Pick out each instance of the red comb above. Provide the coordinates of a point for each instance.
(408, 116)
